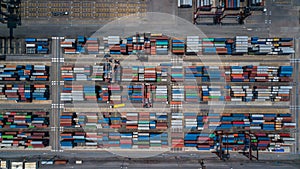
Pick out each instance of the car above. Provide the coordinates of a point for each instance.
(60, 13)
(265, 10)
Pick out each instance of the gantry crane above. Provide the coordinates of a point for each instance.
(219, 13)
(220, 10)
(10, 14)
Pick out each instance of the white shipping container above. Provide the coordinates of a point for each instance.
(28, 45)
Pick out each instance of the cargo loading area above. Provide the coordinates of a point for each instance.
(183, 89)
(101, 10)
(130, 98)
(227, 92)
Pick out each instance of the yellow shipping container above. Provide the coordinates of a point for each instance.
(119, 105)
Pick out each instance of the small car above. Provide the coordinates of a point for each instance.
(60, 13)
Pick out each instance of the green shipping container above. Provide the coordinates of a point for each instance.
(208, 39)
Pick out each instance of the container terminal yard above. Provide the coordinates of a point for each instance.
(149, 84)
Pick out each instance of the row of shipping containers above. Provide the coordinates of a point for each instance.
(24, 72)
(102, 93)
(158, 44)
(24, 120)
(128, 120)
(126, 140)
(24, 139)
(249, 73)
(102, 72)
(147, 130)
(146, 43)
(196, 94)
(191, 121)
(37, 46)
(260, 93)
(24, 93)
(258, 73)
(138, 93)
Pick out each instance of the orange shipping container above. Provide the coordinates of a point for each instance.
(39, 86)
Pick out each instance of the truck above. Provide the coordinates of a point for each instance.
(119, 105)
(78, 162)
(47, 162)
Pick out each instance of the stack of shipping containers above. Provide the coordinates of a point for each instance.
(241, 44)
(68, 46)
(19, 139)
(128, 74)
(177, 94)
(138, 44)
(161, 94)
(193, 94)
(24, 120)
(150, 74)
(80, 44)
(66, 119)
(136, 93)
(162, 44)
(177, 74)
(22, 72)
(92, 45)
(37, 46)
(115, 94)
(24, 93)
(178, 46)
(97, 74)
(192, 45)
(114, 44)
